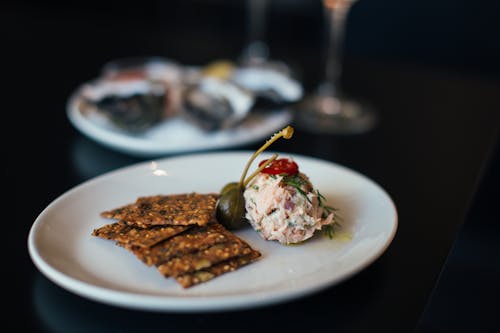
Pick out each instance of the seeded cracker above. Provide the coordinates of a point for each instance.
(175, 209)
(120, 212)
(195, 239)
(204, 275)
(204, 258)
(129, 236)
(180, 235)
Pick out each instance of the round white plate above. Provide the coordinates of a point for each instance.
(62, 248)
(175, 135)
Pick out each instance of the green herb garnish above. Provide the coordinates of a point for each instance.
(297, 182)
(328, 229)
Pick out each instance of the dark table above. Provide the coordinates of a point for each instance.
(431, 150)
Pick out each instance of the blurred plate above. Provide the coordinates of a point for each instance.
(62, 247)
(175, 135)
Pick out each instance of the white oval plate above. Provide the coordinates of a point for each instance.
(175, 135)
(62, 248)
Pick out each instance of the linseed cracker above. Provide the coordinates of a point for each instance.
(204, 258)
(195, 239)
(179, 235)
(129, 236)
(175, 209)
(203, 275)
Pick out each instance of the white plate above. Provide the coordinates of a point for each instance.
(175, 135)
(62, 248)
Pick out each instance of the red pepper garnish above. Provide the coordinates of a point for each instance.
(281, 166)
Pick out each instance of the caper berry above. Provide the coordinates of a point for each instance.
(230, 210)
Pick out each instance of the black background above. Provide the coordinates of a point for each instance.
(44, 41)
(455, 35)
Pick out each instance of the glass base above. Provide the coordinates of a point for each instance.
(331, 115)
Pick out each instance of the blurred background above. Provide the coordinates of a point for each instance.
(43, 41)
(452, 35)
(46, 40)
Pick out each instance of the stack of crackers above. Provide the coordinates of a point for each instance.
(179, 235)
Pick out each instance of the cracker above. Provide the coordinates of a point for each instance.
(120, 212)
(205, 258)
(191, 279)
(195, 239)
(129, 236)
(175, 209)
(180, 235)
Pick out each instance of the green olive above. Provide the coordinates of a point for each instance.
(230, 210)
(229, 186)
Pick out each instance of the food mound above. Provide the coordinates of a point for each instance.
(178, 234)
(278, 200)
(282, 204)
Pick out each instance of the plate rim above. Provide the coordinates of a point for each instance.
(173, 304)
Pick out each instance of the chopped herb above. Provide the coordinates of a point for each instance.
(255, 187)
(321, 197)
(329, 230)
(297, 182)
(327, 210)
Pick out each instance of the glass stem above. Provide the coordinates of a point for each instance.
(256, 46)
(335, 18)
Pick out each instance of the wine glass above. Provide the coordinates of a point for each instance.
(256, 49)
(256, 52)
(328, 109)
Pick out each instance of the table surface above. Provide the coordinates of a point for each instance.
(435, 138)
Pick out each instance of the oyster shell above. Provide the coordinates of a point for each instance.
(131, 105)
(269, 84)
(215, 103)
(134, 95)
